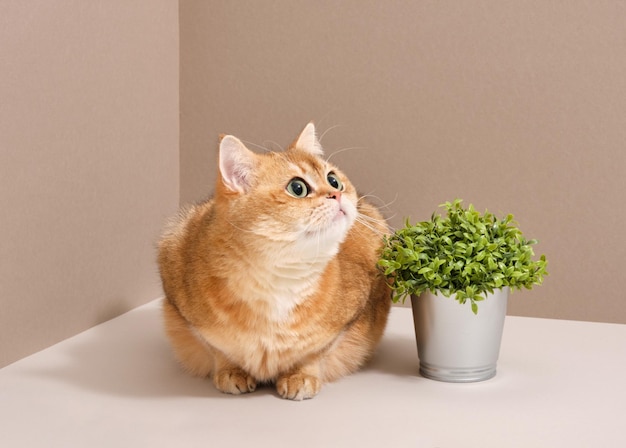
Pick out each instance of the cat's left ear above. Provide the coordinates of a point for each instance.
(308, 141)
(236, 164)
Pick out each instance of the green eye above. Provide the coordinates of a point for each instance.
(297, 188)
(334, 181)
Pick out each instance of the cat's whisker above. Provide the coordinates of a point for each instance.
(383, 221)
(373, 220)
(328, 130)
(239, 228)
(367, 230)
(364, 222)
(319, 121)
(263, 148)
(339, 151)
(274, 143)
(383, 204)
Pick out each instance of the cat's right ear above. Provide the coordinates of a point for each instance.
(236, 164)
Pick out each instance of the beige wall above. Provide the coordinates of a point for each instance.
(518, 107)
(515, 106)
(88, 162)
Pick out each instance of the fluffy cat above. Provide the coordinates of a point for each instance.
(274, 279)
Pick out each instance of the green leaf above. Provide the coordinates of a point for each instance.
(466, 254)
(474, 308)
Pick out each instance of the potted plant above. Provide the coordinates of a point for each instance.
(474, 258)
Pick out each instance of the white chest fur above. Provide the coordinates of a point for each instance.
(281, 287)
(284, 277)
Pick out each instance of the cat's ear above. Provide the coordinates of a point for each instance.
(308, 141)
(236, 164)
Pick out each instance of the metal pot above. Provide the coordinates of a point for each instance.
(454, 344)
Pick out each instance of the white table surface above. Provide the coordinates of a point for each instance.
(559, 384)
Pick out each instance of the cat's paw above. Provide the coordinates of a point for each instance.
(234, 381)
(298, 386)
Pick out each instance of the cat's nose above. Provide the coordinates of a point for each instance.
(334, 195)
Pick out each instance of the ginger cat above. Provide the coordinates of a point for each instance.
(274, 280)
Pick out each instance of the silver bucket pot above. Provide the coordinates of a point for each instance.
(454, 344)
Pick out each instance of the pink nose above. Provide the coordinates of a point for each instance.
(334, 195)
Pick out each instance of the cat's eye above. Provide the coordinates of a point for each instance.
(297, 188)
(333, 181)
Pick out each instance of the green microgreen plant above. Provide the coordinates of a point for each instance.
(466, 253)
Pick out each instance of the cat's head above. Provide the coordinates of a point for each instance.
(295, 197)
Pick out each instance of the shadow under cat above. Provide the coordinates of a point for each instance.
(129, 356)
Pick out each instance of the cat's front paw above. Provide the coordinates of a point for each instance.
(298, 386)
(234, 381)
